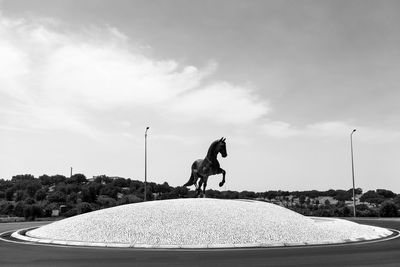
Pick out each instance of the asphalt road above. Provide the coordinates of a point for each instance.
(385, 253)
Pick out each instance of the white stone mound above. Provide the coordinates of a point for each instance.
(203, 223)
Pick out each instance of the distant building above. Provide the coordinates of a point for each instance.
(55, 213)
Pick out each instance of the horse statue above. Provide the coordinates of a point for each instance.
(203, 168)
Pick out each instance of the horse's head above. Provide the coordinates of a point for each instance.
(221, 147)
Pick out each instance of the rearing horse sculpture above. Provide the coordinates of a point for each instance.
(203, 168)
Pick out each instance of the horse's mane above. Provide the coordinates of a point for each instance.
(212, 148)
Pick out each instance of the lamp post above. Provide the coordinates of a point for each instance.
(352, 171)
(145, 163)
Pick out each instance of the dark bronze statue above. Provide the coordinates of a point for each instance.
(203, 168)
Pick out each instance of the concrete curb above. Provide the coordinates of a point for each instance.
(20, 234)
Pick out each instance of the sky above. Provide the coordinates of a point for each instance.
(285, 82)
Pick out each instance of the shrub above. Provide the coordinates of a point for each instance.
(19, 209)
(131, 198)
(83, 208)
(32, 211)
(71, 212)
(6, 208)
(29, 201)
(106, 201)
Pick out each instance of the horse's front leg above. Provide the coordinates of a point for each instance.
(223, 177)
(204, 186)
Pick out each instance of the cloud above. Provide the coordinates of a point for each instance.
(330, 129)
(54, 78)
(279, 129)
(222, 102)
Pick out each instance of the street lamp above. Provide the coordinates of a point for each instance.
(145, 162)
(352, 171)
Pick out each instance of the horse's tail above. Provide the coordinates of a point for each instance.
(190, 182)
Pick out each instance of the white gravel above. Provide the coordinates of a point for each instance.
(203, 222)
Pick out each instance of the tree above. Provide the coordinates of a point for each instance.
(58, 179)
(372, 197)
(89, 193)
(302, 200)
(342, 195)
(10, 194)
(212, 193)
(72, 188)
(40, 195)
(20, 195)
(120, 182)
(385, 193)
(32, 187)
(180, 191)
(110, 190)
(163, 188)
(270, 194)
(388, 209)
(103, 179)
(29, 201)
(396, 201)
(72, 198)
(22, 177)
(230, 194)
(45, 180)
(5, 184)
(247, 194)
(357, 191)
(57, 197)
(136, 185)
(77, 178)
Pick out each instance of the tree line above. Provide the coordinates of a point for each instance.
(30, 197)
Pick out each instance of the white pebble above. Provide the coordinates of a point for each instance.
(202, 221)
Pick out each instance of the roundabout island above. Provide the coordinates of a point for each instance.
(199, 223)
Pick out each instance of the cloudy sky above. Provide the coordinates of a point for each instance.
(284, 81)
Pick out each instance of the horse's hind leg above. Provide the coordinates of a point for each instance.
(191, 180)
(223, 177)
